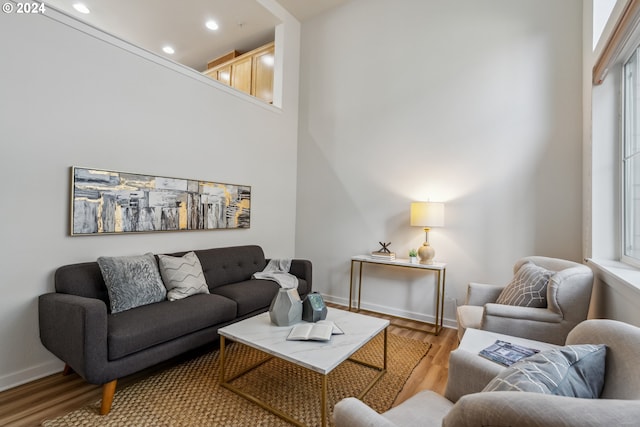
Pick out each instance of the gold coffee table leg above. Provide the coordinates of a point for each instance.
(381, 369)
(221, 360)
(226, 383)
(323, 401)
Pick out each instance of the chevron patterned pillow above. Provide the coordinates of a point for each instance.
(182, 276)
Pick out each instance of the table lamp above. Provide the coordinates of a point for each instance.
(427, 215)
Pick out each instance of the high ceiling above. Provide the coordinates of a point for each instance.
(306, 9)
(152, 24)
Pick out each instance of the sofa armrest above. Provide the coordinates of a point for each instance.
(468, 373)
(481, 293)
(74, 328)
(523, 409)
(351, 412)
(302, 269)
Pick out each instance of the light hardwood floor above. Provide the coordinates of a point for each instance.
(55, 395)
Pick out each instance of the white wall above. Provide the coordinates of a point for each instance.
(477, 104)
(66, 99)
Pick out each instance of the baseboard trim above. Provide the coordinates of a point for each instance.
(392, 311)
(33, 373)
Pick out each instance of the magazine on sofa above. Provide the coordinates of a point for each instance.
(506, 353)
(319, 331)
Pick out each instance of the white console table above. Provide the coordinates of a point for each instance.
(439, 268)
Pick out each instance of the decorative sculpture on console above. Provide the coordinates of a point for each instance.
(385, 248)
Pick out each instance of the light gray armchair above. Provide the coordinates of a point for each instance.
(618, 405)
(568, 297)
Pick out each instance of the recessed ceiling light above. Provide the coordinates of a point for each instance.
(211, 24)
(168, 50)
(81, 8)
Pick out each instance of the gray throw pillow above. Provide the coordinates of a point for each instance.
(132, 281)
(573, 371)
(528, 288)
(182, 276)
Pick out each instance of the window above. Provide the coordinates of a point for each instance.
(631, 160)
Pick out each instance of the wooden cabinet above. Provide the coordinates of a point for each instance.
(262, 75)
(223, 75)
(251, 72)
(241, 74)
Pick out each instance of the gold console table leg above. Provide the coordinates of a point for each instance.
(441, 273)
(351, 286)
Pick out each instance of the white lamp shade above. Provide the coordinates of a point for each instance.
(427, 214)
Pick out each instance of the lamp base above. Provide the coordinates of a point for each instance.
(426, 253)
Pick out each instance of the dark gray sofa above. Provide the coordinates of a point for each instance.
(76, 325)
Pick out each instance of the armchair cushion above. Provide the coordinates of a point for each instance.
(528, 288)
(573, 371)
(513, 312)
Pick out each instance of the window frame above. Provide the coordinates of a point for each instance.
(626, 155)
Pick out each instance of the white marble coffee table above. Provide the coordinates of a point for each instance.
(322, 357)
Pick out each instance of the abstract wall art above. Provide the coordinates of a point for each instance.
(107, 202)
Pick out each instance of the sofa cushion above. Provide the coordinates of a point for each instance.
(223, 266)
(132, 281)
(182, 276)
(143, 327)
(250, 295)
(303, 287)
(528, 288)
(573, 371)
(83, 279)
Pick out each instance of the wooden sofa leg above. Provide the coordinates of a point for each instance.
(68, 370)
(108, 390)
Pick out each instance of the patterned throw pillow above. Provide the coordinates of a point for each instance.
(182, 276)
(132, 281)
(528, 288)
(573, 371)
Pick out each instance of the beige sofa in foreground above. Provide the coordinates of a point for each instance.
(618, 405)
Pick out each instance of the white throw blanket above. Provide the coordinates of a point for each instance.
(278, 271)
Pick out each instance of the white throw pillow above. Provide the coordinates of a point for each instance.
(182, 276)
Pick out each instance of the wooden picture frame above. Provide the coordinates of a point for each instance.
(109, 202)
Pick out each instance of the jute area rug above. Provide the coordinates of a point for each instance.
(189, 395)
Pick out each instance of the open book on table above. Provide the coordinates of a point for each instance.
(506, 353)
(319, 331)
